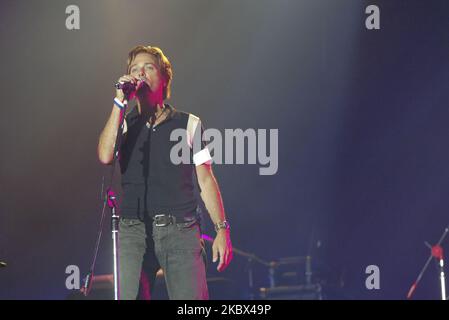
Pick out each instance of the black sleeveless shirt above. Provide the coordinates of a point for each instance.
(151, 183)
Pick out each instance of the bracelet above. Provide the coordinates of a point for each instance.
(222, 225)
(119, 103)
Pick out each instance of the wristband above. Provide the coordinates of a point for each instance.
(119, 103)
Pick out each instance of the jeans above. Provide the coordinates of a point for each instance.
(178, 249)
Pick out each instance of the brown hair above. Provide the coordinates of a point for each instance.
(162, 61)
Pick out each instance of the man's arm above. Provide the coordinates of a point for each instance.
(210, 193)
(108, 137)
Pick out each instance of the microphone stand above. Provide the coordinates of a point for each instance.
(436, 252)
(251, 258)
(110, 200)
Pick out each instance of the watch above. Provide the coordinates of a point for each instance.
(222, 225)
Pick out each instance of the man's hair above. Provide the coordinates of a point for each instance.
(162, 61)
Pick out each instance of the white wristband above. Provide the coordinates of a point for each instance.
(119, 103)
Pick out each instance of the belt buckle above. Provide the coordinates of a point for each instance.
(161, 224)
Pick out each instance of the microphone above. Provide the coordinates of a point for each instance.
(129, 86)
(126, 86)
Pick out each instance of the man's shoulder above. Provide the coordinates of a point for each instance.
(184, 115)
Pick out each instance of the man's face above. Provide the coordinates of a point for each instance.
(144, 66)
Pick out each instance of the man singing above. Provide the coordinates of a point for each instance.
(160, 224)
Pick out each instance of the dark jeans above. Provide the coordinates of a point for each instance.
(178, 249)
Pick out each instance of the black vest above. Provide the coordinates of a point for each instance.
(151, 183)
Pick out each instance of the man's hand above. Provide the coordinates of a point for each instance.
(222, 248)
(210, 193)
(126, 78)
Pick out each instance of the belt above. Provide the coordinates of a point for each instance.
(163, 220)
